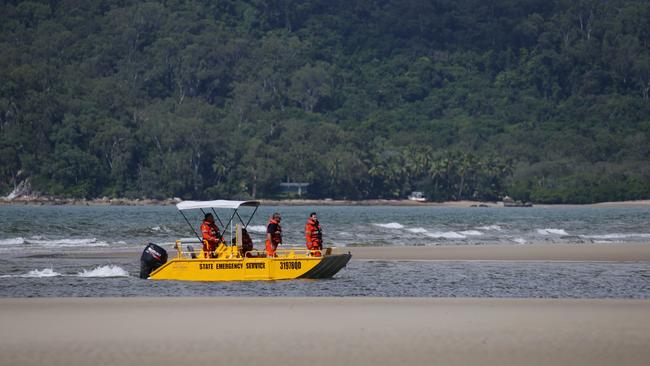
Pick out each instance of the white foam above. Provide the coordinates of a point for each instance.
(160, 228)
(445, 234)
(60, 243)
(12, 241)
(607, 236)
(552, 232)
(618, 236)
(35, 273)
(47, 272)
(417, 230)
(519, 240)
(490, 227)
(256, 228)
(105, 271)
(391, 225)
(471, 233)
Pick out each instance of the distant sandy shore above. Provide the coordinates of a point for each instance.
(525, 252)
(323, 331)
(294, 202)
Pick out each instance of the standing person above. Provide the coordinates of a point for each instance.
(211, 235)
(314, 234)
(273, 234)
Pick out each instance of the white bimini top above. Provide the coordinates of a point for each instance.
(193, 205)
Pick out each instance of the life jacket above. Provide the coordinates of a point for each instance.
(210, 233)
(313, 228)
(276, 237)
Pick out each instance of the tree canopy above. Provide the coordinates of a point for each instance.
(464, 99)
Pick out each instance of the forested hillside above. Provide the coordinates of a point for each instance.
(464, 99)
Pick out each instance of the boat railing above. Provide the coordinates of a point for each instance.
(189, 252)
(189, 241)
(301, 252)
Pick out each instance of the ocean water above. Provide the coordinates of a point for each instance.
(34, 241)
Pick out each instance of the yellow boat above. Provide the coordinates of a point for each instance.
(228, 262)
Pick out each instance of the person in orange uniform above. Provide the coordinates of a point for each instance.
(314, 234)
(211, 235)
(273, 234)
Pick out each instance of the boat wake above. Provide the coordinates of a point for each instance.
(105, 271)
(101, 271)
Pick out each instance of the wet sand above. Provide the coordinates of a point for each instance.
(524, 252)
(323, 331)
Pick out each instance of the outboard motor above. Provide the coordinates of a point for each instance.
(153, 256)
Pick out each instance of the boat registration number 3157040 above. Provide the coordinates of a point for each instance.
(290, 265)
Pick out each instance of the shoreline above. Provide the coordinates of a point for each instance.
(307, 202)
(323, 331)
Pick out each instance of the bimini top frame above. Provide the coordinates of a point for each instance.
(212, 205)
(190, 205)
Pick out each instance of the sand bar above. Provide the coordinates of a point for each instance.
(533, 252)
(323, 331)
(527, 252)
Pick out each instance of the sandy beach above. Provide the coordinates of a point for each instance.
(323, 331)
(533, 252)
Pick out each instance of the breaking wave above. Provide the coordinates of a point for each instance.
(60, 243)
(552, 232)
(471, 233)
(104, 271)
(390, 225)
(256, 228)
(445, 235)
(40, 241)
(160, 228)
(417, 230)
(490, 227)
(12, 241)
(607, 236)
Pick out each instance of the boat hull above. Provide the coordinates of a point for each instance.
(251, 269)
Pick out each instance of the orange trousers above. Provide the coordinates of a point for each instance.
(315, 244)
(270, 248)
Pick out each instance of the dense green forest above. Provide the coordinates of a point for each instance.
(463, 99)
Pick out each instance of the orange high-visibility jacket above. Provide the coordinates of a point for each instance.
(211, 234)
(313, 234)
